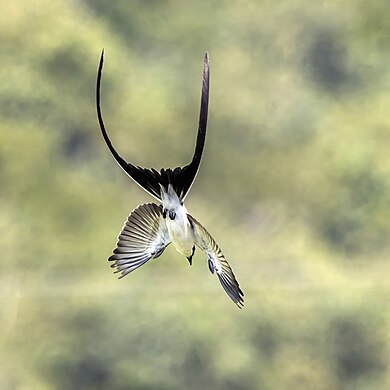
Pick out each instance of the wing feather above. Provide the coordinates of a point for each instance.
(217, 262)
(144, 236)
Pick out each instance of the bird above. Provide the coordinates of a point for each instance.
(151, 227)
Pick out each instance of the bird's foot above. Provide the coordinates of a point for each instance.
(189, 258)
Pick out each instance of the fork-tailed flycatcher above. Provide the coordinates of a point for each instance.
(150, 228)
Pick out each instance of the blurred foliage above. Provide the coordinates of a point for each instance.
(294, 185)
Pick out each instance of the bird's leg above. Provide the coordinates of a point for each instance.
(189, 258)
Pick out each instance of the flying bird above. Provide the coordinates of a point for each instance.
(151, 227)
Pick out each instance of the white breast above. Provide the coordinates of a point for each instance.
(180, 232)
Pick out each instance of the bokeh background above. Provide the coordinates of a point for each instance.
(294, 186)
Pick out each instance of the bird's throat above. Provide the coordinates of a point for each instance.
(181, 234)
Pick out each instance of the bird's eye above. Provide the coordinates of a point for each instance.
(172, 214)
(164, 213)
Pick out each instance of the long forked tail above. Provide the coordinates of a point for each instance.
(150, 179)
(117, 157)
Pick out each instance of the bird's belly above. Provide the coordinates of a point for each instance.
(181, 237)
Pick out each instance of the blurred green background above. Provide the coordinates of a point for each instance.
(294, 186)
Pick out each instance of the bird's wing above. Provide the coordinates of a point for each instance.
(217, 262)
(150, 179)
(143, 237)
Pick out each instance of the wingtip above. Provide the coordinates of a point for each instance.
(239, 302)
(241, 298)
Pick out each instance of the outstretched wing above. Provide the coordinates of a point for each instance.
(217, 262)
(143, 237)
(150, 179)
